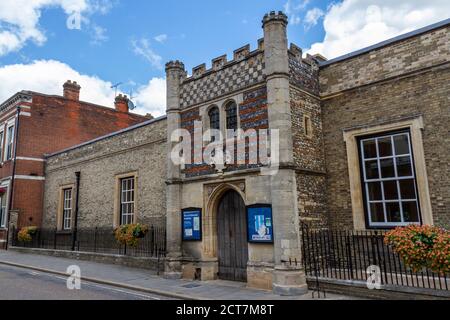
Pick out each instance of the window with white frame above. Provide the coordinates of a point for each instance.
(9, 142)
(127, 200)
(67, 209)
(3, 210)
(389, 180)
(1, 144)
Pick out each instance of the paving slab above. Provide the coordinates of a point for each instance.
(211, 290)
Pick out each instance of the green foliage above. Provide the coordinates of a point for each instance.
(25, 234)
(130, 234)
(422, 247)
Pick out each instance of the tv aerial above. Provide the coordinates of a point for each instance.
(115, 87)
(131, 105)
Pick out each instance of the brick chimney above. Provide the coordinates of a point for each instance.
(72, 90)
(121, 103)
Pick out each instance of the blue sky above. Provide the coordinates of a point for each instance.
(196, 32)
(130, 40)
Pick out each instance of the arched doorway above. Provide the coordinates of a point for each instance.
(232, 237)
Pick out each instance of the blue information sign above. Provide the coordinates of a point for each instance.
(192, 224)
(259, 224)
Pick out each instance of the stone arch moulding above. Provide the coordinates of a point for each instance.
(213, 195)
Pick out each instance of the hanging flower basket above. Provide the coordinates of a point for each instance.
(2, 191)
(26, 234)
(422, 247)
(130, 234)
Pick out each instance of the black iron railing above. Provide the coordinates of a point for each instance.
(97, 240)
(362, 256)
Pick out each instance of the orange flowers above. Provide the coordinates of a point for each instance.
(25, 234)
(422, 247)
(130, 234)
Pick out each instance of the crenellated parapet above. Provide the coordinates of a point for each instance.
(304, 71)
(199, 70)
(274, 16)
(224, 76)
(175, 64)
(241, 53)
(296, 52)
(219, 62)
(222, 61)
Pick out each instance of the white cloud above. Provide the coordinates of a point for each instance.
(101, 6)
(293, 8)
(161, 38)
(48, 76)
(151, 98)
(355, 24)
(19, 19)
(98, 35)
(312, 17)
(295, 19)
(142, 48)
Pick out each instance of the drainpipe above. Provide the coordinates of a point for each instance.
(75, 225)
(11, 186)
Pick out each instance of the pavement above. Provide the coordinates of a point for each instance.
(144, 281)
(23, 284)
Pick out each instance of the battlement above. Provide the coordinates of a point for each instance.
(249, 67)
(174, 65)
(222, 62)
(274, 16)
(296, 53)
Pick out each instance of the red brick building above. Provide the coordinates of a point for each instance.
(33, 124)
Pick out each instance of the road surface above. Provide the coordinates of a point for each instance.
(23, 284)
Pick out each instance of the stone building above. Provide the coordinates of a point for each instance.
(134, 153)
(363, 143)
(33, 124)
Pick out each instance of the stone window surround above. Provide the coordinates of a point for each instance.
(221, 104)
(415, 125)
(69, 193)
(116, 214)
(3, 214)
(307, 126)
(60, 212)
(11, 123)
(5, 184)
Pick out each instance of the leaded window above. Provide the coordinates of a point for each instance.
(214, 121)
(231, 111)
(214, 118)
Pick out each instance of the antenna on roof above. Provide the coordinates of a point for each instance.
(131, 105)
(115, 87)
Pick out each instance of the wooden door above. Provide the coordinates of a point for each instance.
(232, 237)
